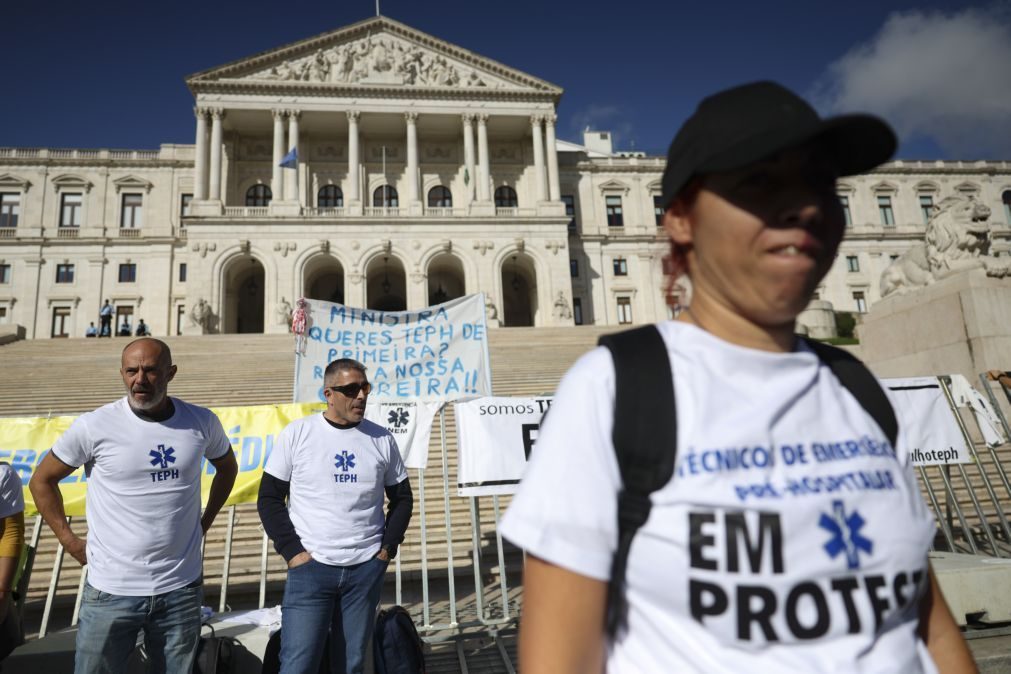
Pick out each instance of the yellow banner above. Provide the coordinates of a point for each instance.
(251, 430)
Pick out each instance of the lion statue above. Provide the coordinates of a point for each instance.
(957, 239)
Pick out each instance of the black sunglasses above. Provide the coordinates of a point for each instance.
(351, 390)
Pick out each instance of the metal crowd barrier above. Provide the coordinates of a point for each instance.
(969, 504)
(966, 498)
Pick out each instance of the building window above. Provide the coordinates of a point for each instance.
(440, 197)
(3, 314)
(385, 197)
(10, 209)
(624, 310)
(926, 206)
(180, 315)
(570, 210)
(885, 210)
(577, 310)
(852, 263)
(574, 268)
(1006, 198)
(184, 205)
(182, 272)
(131, 215)
(70, 209)
(658, 209)
(861, 301)
(968, 191)
(505, 197)
(258, 195)
(844, 201)
(620, 266)
(5, 274)
(61, 322)
(330, 196)
(128, 272)
(614, 216)
(64, 273)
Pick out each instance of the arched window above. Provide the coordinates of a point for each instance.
(440, 197)
(385, 196)
(258, 195)
(1006, 198)
(505, 197)
(330, 196)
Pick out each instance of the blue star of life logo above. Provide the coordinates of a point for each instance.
(846, 537)
(345, 461)
(162, 456)
(398, 417)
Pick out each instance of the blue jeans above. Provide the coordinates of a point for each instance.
(109, 624)
(342, 599)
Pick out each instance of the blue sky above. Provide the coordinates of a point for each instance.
(111, 73)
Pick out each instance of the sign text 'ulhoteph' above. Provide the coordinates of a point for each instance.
(439, 353)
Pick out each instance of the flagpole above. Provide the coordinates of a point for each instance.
(377, 7)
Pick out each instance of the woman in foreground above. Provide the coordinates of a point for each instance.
(792, 536)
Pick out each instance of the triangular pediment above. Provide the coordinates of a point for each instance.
(613, 186)
(132, 183)
(378, 53)
(69, 181)
(11, 181)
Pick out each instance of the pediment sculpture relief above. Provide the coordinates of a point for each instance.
(377, 60)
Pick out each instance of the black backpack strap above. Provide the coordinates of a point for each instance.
(859, 381)
(645, 442)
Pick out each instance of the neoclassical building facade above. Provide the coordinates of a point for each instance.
(380, 167)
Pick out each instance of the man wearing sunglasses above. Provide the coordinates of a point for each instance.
(332, 470)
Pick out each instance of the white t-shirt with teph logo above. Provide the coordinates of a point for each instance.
(143, 500)
(337, 481)
(792, 537)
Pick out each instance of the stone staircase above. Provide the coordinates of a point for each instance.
(51, 377)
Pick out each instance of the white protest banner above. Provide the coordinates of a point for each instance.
(410, 423)
(438, 353)
(494, 437)
(927, 422)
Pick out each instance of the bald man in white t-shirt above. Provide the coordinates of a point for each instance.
(321, 502)
(142, 456)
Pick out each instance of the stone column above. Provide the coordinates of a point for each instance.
(277, 175)
(215, 179)
(484, 172)
(554, 190)
(413, 199)
(535, 131)
(468, 156)
(200, 179)
(354, 191)
(291, 190)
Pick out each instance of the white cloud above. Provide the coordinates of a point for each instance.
(943, 76)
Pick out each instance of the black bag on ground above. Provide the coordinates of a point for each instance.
(396, 645)
(214, 654)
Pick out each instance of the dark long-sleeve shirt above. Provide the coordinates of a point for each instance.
(271, 503)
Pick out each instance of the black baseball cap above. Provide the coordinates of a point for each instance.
(750, 122)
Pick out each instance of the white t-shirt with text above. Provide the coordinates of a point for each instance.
(792, 538)
(337, 477)
(143, 499)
